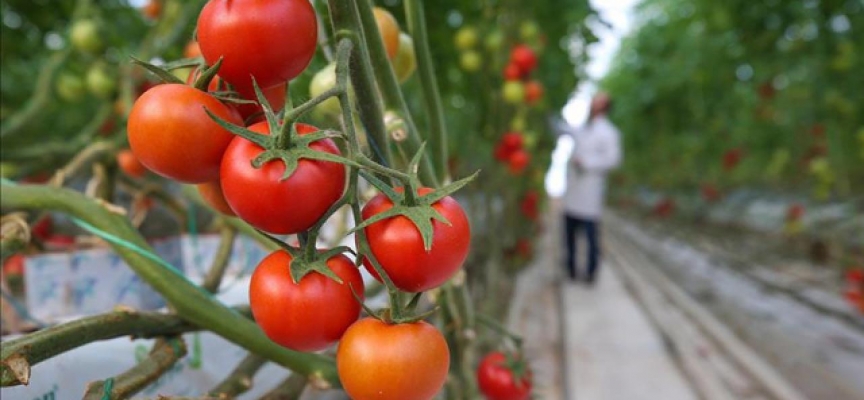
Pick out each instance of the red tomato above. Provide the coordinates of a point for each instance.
(512, 72)
(130, 165)
(664, 208)
(529, 204)
(398, 246)
(380, 361)
(309, 315)
(261, 198)
(497, 381)
(212, 194)
(172, 135)
(518, 161)
(731, 158)
(533, 92)
(14, 265)
(43, 228)
(272, 40)
(509, 143)
(523, 57)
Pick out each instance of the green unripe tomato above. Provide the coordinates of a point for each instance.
(466, 38)
(100, 82)
(529, 139)
(514, 92)
(528, 31)
(323, 81)
(494, 41)
(70, 87)
(470, 61)
(405, 62)
(84, 36)
(519, 124)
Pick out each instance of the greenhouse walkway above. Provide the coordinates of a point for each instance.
(630, 336)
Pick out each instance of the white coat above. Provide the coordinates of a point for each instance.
(596, 151)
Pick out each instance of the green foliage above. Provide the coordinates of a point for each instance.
(699, 78)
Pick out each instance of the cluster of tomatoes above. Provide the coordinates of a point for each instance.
(85, 36)
(511, 150)
(518, 87)
(195, 136)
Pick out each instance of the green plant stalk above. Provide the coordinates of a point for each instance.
(290, 389)
(343, 18)
(190, 301)
(165, 353)
(426, 72)
(42, 95)
(240, 380)
(363, 20)
(41, 345)
(220, 262)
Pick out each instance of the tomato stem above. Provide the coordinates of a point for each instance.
(389, 87)
(426, 72)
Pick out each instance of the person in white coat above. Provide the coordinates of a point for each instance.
(596, 151)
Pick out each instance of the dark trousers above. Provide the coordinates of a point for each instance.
(572, 226)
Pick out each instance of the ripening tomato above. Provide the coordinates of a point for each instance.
(192, 50)
(389, 29)
(509, 143)
(70, 87)
(533, 92)
(173, 136)
(309, 315)
(212, 194)
(470, 61)
(518, 161)
(512, 72)
(497, 381)
(100, 82)
(405, 62)
(271, 40)
(260, 197)
(514, 92)
(153, 9)
(323, 81)
(381, 361)
(524, 58)
(795, 212)
(466, 38)
(398, 246)
(85, 36)
(130, 165)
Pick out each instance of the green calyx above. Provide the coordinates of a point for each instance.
(307, 259)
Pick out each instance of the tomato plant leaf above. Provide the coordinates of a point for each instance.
(439, 194)
(203, 81)
(162, 74)
(382, 187)
(254, 137)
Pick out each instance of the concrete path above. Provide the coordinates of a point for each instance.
(589, 343)
(611, 350)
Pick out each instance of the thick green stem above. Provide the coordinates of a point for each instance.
(346, 23)
(426, 72)
(390, 91)
(44, 344)
(165, 353)
(190, 301)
